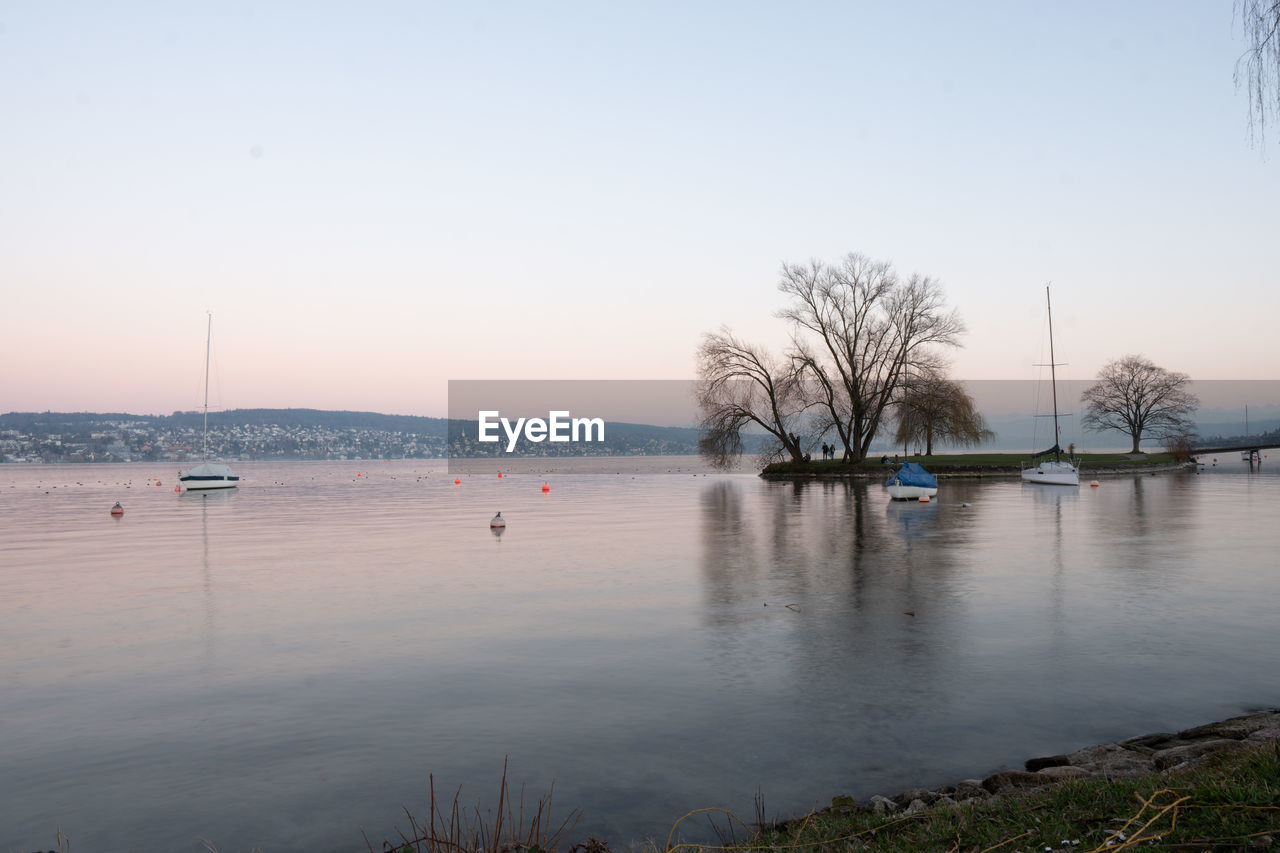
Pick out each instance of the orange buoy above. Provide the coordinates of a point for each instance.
(177, 489)
(1094, 484)
(545, 487)
(924, 499)
(117, 509)
(499, 475)
(456, 481)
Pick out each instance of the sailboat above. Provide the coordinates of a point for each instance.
(208, 475)
(1249, 456)
(1056, 471)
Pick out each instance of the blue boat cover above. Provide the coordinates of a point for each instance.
(913, 474)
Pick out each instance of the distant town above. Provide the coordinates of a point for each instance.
(298, 434)
(283, 434)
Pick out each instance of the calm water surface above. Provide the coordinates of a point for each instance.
(282, 667)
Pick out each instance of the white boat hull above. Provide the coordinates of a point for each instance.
(910, 493)
(194, 485)
(1052, 474)
(208, 475)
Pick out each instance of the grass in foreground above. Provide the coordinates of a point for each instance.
(1229, 802)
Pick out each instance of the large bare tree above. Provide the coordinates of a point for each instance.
(1135, 396)
(740, 384)
(857, 327)
(1258, 70)
(932, 407)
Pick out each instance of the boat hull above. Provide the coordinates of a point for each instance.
(193, 484)
(1052, 474)
(910, 493)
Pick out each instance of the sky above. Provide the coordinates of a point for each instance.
(374, 199)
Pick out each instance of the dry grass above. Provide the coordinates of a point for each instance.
(452, 828)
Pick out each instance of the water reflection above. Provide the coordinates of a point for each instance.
(843, 596)
(701, 637)
(218, 501)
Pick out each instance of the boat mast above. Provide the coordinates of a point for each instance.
(208, 340)
(1053, 378)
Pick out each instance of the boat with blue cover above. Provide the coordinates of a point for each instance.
(911, 482)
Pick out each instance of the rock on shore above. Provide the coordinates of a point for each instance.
(1130, 758)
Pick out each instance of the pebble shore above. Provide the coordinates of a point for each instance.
(1134, 757)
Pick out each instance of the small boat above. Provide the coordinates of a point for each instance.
(911, 482)
(1056, 471)
(208, 475)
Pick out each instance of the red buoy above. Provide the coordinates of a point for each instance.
(1094, 484)
(456, 481)
(117, 509)
(499, 475)
(545, 487)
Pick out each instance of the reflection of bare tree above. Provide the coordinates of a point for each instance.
(811, 586)
(1146, 519)
(728, 543)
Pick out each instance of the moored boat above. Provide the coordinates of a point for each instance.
(208, 475)
(911, 482)
(1056, 471)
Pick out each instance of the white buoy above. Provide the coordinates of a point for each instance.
(498, 521)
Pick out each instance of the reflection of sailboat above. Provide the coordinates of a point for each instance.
(208, 475)
(1056, 471)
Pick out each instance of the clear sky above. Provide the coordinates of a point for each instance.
(373, 199)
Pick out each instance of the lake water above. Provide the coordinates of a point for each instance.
(281, 667)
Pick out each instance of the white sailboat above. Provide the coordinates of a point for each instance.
(208, 475)
(1250, 456)
(1056, 471)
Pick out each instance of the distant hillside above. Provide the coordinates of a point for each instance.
(437, 427)
(293, 433)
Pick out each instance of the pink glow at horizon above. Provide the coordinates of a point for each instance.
(373, 203)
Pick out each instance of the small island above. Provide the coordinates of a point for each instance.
(974, 465)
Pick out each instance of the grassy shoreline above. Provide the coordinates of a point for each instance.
(971, 465)
(1212, 787)
(1229, 802)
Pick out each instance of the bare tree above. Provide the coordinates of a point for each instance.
(932, 407)
(739, 385)
(1136, 397)
(857, 327)
(1258, 70)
